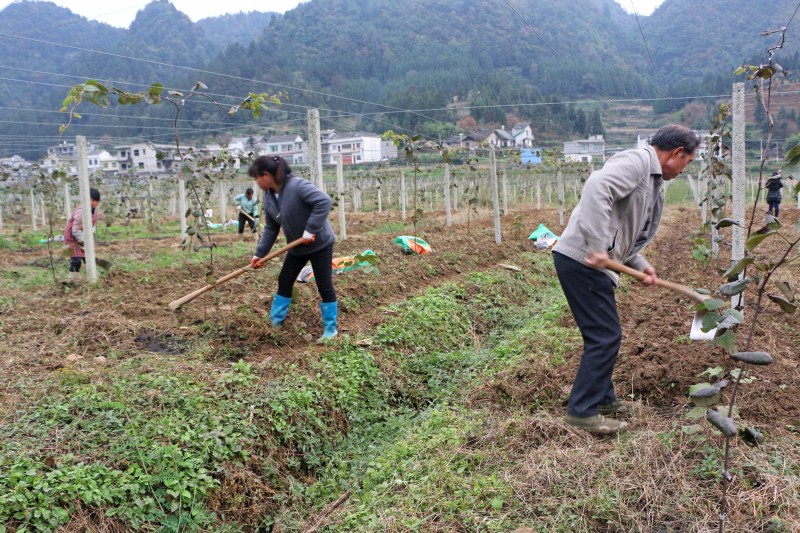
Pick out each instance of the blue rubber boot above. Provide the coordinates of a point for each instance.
(330, 312)
(279, 310)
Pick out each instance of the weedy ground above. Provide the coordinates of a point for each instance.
(439, 409)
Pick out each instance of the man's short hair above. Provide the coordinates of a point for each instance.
(674, 136)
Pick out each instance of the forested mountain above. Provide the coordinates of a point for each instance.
(239, 28)
(696, 46)
(47, 48)
(364, 62)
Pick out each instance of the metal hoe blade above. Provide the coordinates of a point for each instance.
(697, 333)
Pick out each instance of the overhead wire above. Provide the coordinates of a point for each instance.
(642, 33)
(202, 71)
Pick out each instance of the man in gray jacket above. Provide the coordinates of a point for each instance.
(617, 216)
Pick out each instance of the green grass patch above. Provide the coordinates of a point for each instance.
(150, 445)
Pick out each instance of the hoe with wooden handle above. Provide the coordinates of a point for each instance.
(696, 333)
(191, 296)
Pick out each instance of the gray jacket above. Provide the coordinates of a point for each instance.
(300, 206)
(619, 211)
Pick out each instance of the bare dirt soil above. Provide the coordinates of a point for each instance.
(128, 312)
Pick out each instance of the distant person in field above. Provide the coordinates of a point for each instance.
(246, 207)
(74, 235)
(301, 210)
(617, 216)
(774, 185)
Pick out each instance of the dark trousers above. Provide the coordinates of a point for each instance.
(590, 294)
(75, 263)
(774, 207)
(323, 273)
(242, 220)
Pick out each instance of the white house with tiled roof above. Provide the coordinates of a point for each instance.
(353, 147)
(290, 147)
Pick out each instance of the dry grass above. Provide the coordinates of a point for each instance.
(646, 480)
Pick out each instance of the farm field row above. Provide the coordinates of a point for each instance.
(439, 409)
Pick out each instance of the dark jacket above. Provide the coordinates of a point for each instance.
(300, 206)
(774, 185)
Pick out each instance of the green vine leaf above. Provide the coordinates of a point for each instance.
(755, 240)
(711, 304)
(735, 287)
(738, 267)
(727, 341)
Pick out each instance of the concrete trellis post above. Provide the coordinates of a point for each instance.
(67, 200)
(33, 211)
(561, 200)
(86, 203)
(403, 196)
(42, 210)
(505, 193)
(538, 192)
(739, 182)
(222, 204)
(151, 216)
(380, 198)
(495, 200)
(182, 203)
(340, 198)
(702, 192)
(447, 215)
(315, 149)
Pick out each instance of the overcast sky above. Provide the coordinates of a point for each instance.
(122, 12)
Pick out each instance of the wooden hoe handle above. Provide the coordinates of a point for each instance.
(676, 287)
(191, 296)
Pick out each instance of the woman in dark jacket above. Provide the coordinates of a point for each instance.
(774, 185)
(301, 210)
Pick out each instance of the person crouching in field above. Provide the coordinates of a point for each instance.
(301, 210)
(246, 206)
(617, 216)
(74, 235)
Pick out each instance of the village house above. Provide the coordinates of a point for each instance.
(520, 136)
(353, 147)
(586, 150)
(290, 147)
